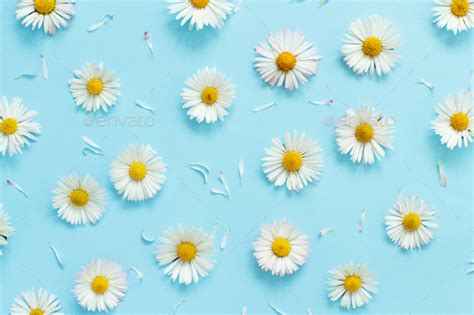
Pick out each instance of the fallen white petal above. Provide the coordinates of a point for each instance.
(326, 231)
(216, 191)
(149, 42)
(200, 171)
(263, 106)
(244, 310)
(213, 231)
(362, 221)
(277, 310)
(441, 175)
(104, 20)
(427, 84)
(91, 143)
(178, 305)
(26, 76)
(204, 166)
(309, 311)
(241, 170)
(44, 67)
(224, 182)
(56, 255)
(224, 239)
(87, 150)
(138, 273)
(324, 102)
(470, 271)
(145, 106)
(147, 238)
(17, 187)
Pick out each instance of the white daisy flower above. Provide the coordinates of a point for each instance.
(455, 15)
(49, 14)
(5, 228)
(200, 13)
(188, 252)
(138, 172)
(454, 121)
(94, 87)
(296, 162)
(364, 133)
(208, 95)
(354, 284)
(281, 248)
(288, 60)
(79, 199)
(408, 225)
(100, 286)
(371, 46)
(36, 303)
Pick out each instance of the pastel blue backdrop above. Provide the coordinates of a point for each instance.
(423, 281)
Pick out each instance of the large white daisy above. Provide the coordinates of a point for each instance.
(281, 248)
(5, 227)
(288, 60)
(94, 87)
(49, 14)
(454, 121)
(200, 13)
(79, 199)
(36, 303)
(138, 172)
(17, 127)
(371, 46)
(188, 252)
(208, 95)
(364, 133)
(296, 162)
(455, 15)
(354, 284)
(100, 286)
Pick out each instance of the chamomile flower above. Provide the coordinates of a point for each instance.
(187, 252)
(49, 14)
(455, 15)
(100, 286)
(288, 61)
(138, 173)
(79, 199)
(454, 121)
(94, 87)
(297, 162)
(208, 95)
(364, 133)
(354, 284)
(5, 227)
(408, 224)
(200, 13)
(371, 46)
(17, 127)
(33, 302)
(281, 248)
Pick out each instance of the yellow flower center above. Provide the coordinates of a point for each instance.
(209, 95)
(199, 4)
(411, 221)
(36, 311)
(459, 121)
(45, 6)
(286, 61)
(79, 197)
(372, 46)
(352, 283)
(9, 126)
(460, 7)
(292, 161)
(100, 285)
(137, 171)
(364, 132)
(186, 251)
(281, 247)
(95, 86)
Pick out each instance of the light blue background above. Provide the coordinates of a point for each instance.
(426, 281)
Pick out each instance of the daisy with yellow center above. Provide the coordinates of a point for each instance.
(296, 163)
(409, 223)
(201, 13)
(353, 284)
(5, 228)
(100, 286)
(33, 302)
(364, 134)
(208, 95)
(455, 120)
(371, 45)
(50, 15)
(454, 15)
(94, 88)
(188, 254)
(288, 61)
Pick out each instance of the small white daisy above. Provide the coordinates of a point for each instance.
(371, 46)
(100, 286)
(455, 15)
(49, 14)
(138, 172)
(408, 225)
(364, 133)
(94, 87)
(288, 60)
(5, 228)
(296, 162)
(36, 303)
(79, 199)
(454, 121)
(200, 13)
(354, 284)
(188, 252)
(281, 248)
(208, 95)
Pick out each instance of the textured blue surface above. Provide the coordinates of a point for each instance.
(426, 281)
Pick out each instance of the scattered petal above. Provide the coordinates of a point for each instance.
(224, 239)
(362, 221)
(17, 187)
(138, 273)
(44, 67)
(239, 6)
(145, 106)
(149, 42)
(471, 261)
(56, 255)
(277, 310)
(441, 175)
(427, 84)
(26, 75)
(470, 271)
(216, 191)
(244, 310)
(326, 231)
(201, 171)
(178, 305)
(309, 311)
(213, 231)
(263, 107)
(324, 102)
(241, 170)
(104, 20)
(148, 239)
(91, 143)
(202, 166)
(88, 150)
(224, 183)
